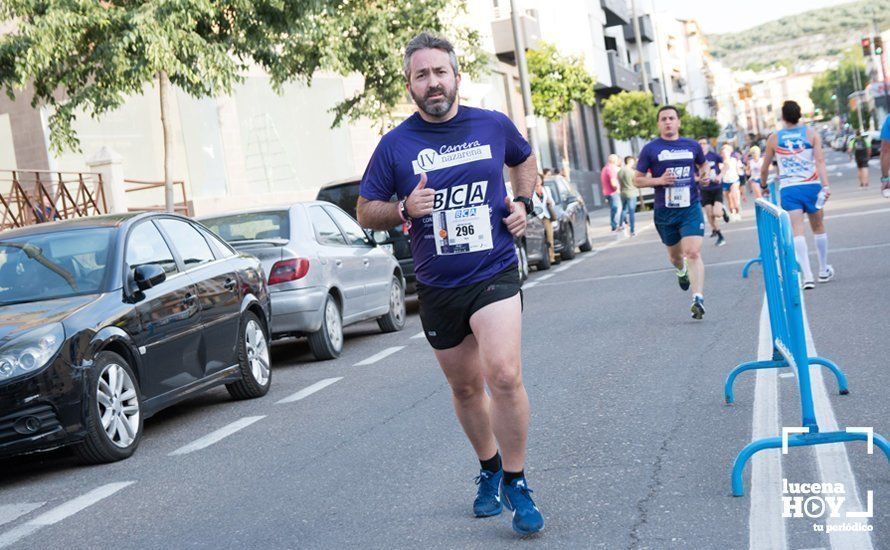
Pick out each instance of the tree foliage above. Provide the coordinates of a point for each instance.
(557, 81)
(627, 115)
(90, 55)
(840, 83)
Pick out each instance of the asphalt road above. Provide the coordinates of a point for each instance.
(631, 443)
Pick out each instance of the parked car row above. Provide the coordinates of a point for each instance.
(105, 321)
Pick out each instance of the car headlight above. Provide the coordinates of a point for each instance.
(30, 351)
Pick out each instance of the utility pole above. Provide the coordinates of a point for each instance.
(858, 85)
(519, 48)
(639, 40)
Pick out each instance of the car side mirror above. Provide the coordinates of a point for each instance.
(149, 275)
(369, 236)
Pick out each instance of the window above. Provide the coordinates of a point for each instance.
(192, 247)
(251, 227)
(326, 231)
(345, 196)
(145, 245)
(218, 245)
(355, 236)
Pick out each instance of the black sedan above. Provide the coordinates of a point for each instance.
(105, 321)
(570, 231)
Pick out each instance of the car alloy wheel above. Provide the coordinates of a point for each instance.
(333, 324)
(397, 302)
(118, 403)
(257, 352)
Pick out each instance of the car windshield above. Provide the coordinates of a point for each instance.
(253, 226)
(53, 265)
(345, 196)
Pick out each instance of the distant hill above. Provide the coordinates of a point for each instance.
(815, 34)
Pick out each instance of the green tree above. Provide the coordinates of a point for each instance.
(629, 115)
(88, 56)
(832, 88)
(556, 83)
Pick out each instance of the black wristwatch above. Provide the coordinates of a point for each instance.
(527, 202)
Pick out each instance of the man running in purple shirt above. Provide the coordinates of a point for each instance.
(669, 163)
(445, 163)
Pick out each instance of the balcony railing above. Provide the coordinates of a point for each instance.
(623, 77)
(28, 197)
(616, 12)
(646, 30)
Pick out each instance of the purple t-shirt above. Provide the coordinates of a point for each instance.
(681, 155)
(714, 161)
(464, 162)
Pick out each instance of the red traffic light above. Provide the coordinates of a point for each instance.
(866, 46)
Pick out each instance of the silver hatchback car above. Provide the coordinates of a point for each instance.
(324, 270)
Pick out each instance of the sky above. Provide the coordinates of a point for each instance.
(722, 16)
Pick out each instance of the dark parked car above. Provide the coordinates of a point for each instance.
(531, 248)
(324, 271)
(105, 321)
(344, 193)
(571, 230)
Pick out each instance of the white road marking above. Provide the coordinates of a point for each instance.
(766, 527)
(12, 512)
(418, 335)
(306, 392)
(532, 284)
(216, 436)
(786, 375)
(543, 278)
(61, 512)
(378, 356)
(833, 461)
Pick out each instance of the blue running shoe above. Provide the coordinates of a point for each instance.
(527, 519)
(488, 501)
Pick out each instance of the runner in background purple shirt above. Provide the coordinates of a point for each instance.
(669, 163)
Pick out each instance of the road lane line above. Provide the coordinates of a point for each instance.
(378, 356)
(306, 392)
(418, 335)
(833, 461)
(12, 512)
(543, 278)
(216, 436)
(532, 284)
(786, 375)
(766, 527)
(61, 512)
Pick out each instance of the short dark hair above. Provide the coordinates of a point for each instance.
(428, 40)
(667, 108)
(627, 159)
(702, 138)
(791, 112)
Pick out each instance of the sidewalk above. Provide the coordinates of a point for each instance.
(600, 230)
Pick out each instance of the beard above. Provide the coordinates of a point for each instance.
(439, 106)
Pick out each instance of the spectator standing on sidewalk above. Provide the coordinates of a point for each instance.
(885, 157)
(612, 190)
(548, 213)
(629, 194)
(860, 150)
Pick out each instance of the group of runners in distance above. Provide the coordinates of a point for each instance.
(445, 165)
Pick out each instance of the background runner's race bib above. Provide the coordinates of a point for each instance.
(676, 197)
(462, 230)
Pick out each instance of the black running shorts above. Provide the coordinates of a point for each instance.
(861, 158)
(710, 196)
(445, 312)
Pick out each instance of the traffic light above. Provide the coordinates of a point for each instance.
(866, 46)
(879, 45)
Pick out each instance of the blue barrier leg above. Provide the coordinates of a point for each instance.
(838, 373)
(738, 468)
(751, 365)
(797, 440)
(748, 267)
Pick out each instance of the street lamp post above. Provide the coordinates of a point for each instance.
(519, 48)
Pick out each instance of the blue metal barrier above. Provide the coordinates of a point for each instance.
(786, 315)
(773, 198)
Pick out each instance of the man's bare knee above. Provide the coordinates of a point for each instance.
(467, 392)
(503, 377)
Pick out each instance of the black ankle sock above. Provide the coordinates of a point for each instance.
(493, 464)
(510, 476)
